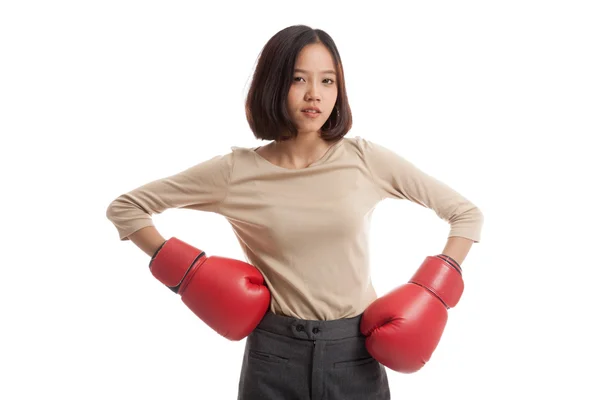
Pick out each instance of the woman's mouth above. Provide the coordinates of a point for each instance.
(311, 113)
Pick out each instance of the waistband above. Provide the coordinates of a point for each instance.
(311, 329)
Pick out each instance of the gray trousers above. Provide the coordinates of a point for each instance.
(294, 359)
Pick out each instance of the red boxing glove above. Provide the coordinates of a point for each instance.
(229, 295)
(404, 327)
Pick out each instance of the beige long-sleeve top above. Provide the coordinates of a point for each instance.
(306, 229)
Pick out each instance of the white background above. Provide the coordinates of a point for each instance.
(500, 100)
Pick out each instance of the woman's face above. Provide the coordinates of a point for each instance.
(314, 85)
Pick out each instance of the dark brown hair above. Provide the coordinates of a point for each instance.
(266, 109)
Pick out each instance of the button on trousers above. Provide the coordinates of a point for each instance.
(296, 359)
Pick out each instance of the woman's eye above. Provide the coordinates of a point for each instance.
(327, 80)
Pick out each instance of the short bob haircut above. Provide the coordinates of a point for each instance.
(266, 101)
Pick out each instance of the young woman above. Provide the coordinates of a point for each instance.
(300, 207)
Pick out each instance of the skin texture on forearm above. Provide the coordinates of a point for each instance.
(147, 239)
(458, 248)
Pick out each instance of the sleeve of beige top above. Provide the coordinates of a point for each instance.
(201, 187)
(398, 178)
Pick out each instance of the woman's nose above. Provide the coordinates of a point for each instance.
(313, 95)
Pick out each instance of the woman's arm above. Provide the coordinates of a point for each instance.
(147, 239)
(457, 248)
